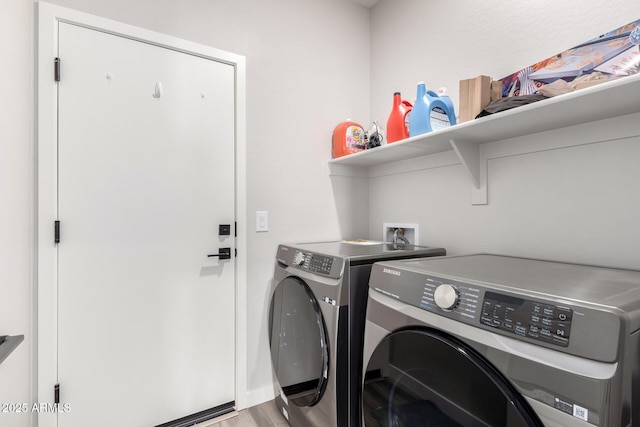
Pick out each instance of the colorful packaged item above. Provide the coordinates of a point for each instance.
(348, 138)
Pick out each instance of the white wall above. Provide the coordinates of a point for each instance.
(16, 201)
(574, 204)
(307, 70)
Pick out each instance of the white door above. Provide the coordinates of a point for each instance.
(145, 177)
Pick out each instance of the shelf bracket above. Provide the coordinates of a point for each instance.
(469, 155)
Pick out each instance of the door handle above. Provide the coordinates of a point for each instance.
(223, 253)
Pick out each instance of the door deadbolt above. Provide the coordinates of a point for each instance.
(224, 229)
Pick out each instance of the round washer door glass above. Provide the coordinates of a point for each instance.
(298, 340)
(428, 378)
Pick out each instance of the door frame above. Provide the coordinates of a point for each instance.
(45, 313)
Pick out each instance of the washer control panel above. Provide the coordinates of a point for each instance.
(549, 304)
(477, 305)
(446, 297)
(450, 296)
(543, 322)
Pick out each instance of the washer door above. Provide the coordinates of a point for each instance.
(423, 377)
(298, 339)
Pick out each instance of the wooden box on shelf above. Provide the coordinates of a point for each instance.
(475, 94)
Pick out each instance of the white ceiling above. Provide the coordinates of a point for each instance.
(366, 3)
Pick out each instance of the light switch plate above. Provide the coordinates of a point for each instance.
(262, 221)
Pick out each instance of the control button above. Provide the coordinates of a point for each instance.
(563, 314)
(446, 297)
(521, 330)
(562, 330)
(298, 258)
(487, 321)
(507, 325)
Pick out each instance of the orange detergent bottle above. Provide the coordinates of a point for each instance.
(348, 138)
(398, 122)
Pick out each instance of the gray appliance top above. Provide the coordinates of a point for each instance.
(364, 252)
(8, 344)
(596, 285)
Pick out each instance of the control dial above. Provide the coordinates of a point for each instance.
(446, 297)
(298, 258)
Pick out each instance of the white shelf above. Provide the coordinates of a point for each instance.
(607, 100)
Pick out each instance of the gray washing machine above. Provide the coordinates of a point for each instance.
(487, 340)
(316, 327)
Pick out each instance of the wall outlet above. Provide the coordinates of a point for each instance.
(410, 232)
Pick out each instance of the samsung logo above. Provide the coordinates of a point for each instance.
(392, 272)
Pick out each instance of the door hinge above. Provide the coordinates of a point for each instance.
(235, 229)
(56, 69)
(56, 232)
(56, 393)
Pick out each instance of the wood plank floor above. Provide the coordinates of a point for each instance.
(263, 415)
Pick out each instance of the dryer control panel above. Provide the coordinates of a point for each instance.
(313, 262)
(310, 261)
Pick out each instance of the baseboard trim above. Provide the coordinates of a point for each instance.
(260, 395)
(201, 417)
(212, 422)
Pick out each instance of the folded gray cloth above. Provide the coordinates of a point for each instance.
(503, 104)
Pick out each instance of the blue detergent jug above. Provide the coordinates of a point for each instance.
(441, 114)
(419, 122)
(430, 112)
